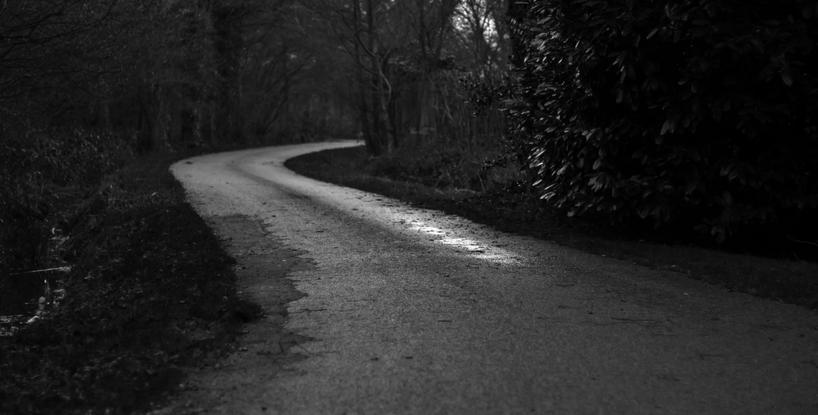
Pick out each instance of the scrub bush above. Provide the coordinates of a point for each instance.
(38, 171)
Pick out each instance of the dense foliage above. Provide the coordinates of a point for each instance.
(684, 113)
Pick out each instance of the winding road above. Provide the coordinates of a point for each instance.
(412, 311)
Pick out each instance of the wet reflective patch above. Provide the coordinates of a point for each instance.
(473, 248)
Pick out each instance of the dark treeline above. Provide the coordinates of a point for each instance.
(170, 73)
(423, 81)
(692, 116)
(86, 85)
(163, 72)
(409, 62)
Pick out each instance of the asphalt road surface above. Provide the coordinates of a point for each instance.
(413, 311)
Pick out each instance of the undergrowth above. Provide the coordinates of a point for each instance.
(151, 291)
(478, 167)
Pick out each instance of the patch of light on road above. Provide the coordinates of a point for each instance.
(465, 243)
(474, 248)
(431, 230)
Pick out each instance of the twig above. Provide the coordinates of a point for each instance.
(814, 244)
(37, 271)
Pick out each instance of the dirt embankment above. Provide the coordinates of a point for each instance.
(151, 292)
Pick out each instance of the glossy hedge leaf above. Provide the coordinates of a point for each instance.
(687, 100)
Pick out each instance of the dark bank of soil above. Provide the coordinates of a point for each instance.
(151, 292)
(787, 280)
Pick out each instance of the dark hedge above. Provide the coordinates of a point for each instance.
(687, 114)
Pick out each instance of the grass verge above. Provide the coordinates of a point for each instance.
(791, 281)
(151, 292)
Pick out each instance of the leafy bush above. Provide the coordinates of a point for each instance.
(675, 113)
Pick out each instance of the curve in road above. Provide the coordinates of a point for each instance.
(414, 311)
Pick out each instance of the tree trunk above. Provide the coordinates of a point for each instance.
(363, 112)
(377, 129)
(228, 43)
